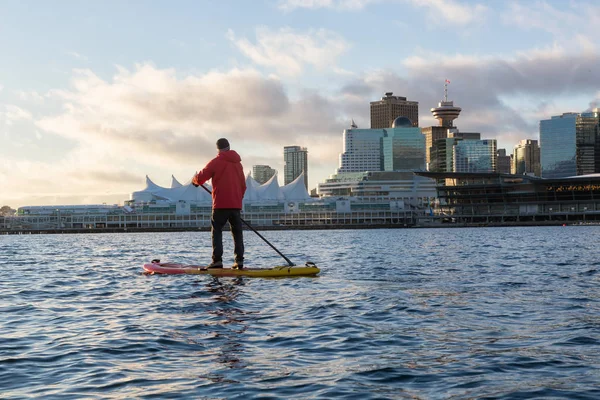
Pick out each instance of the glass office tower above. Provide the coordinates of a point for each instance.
(403, 147)
(475, 156)
(570, 144)
(558, 146)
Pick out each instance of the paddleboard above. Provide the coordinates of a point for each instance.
(156, 267)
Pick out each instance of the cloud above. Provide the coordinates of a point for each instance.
(572, 21)
(290, 5)
(439, 12)
(160, 122)
(12, 114)
(30, 96)
(450, 12)
(288, 51)
(77, 56)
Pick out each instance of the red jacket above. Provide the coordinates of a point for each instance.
(228, 181)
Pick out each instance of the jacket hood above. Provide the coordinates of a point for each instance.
(230, 156)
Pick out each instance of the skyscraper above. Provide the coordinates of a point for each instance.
(386, 110)
(362, 150)
(262, 173)
(570, 144)
(526, 158)
(296, 162)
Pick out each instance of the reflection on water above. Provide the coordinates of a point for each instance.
(420, 314)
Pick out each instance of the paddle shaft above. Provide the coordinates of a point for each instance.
(259, 235)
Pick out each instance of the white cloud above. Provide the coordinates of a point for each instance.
(439, 12)
(572, 21)
(148, 120)
(30, 96)
(12, 114)
(290, 5)
(77, 56)
(288, 51)
(451, 12)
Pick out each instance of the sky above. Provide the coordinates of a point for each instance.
(95, 95)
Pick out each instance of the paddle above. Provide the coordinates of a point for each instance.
(259, 235)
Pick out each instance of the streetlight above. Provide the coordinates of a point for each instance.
(584, 212)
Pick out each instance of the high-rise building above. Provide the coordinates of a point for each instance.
(570, 144)
(262, 173)
(403, 147)
(475, 156)
(386, 110)
(526, 160)
(296, 162)
(362, 150)
(503, 162)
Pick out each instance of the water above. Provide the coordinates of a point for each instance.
(395, 314)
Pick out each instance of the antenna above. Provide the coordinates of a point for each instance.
(446, 82)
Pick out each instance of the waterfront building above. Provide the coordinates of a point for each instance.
(386, 110)
(296, 163)
(488, 198)
(474, 156)
(503, 162)
(395, 189)
(570, 144)
(403, 147)
(262, 173)
(526, 160)
(361, 150)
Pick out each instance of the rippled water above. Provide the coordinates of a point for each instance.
(408, 313)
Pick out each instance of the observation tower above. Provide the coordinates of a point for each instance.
(445, 112)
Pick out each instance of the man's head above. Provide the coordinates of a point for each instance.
(222, 144)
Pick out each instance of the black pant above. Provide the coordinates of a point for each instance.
(219, 217)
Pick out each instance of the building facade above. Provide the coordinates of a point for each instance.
(475, 156)
(362, 150)
(526, 158)
(386, 110)
(262, 173)
(503, 162)
(442, 151)
(570, 144)
(296, 163)
(432, 135)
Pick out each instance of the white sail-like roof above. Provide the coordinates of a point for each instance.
(296, 190)
(255, 192)
(251, 189)
(175, 183)
(270, 190)
(151, 186)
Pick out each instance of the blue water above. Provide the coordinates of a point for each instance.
(497, 313)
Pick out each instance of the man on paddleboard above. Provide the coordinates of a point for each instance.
(228, 188)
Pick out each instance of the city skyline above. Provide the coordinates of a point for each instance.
(95, 96)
